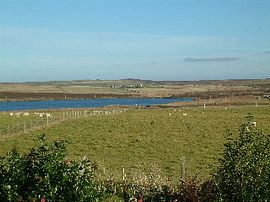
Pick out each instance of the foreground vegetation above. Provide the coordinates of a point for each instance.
(44, 174)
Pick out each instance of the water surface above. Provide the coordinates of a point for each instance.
(91, 103)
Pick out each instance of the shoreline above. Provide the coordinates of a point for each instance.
(81, 90)
(93, 103)
(33, 96)
(21, 97)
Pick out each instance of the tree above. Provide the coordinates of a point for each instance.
(243, 173)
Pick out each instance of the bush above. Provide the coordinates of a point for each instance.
(43, 173)
(189, 190)
(244, 170)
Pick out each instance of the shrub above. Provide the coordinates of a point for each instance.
(43, 173)
(189, 190)
(244, 171)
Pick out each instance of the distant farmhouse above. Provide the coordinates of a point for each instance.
(128, 86)
(267, 96)
(133, 86)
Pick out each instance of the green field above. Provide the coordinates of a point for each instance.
(145, 139)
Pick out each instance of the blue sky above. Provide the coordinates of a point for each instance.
(147, 39)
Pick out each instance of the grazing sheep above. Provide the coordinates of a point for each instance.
(184, 114)
(48, 115)
(170, 114)
(11, 114)
(17, 114)
(26, 114)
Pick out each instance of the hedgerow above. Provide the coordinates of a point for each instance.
(45, 174)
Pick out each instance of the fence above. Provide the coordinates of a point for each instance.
(47, 119)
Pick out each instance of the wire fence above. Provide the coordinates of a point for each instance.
(38, 120)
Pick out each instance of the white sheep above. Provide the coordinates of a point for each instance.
(184, 114)
(18, 114)
(26, 114)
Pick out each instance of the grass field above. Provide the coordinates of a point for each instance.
(146, 139)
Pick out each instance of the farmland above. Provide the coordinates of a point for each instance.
(143, 139)
(86, 89)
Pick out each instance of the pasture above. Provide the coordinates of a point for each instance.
(145, 139)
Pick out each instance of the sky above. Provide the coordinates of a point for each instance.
(42, 40)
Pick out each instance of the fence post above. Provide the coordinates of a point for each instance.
(47, 120)
(24, 127)
(123, 173)
(183, 168)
